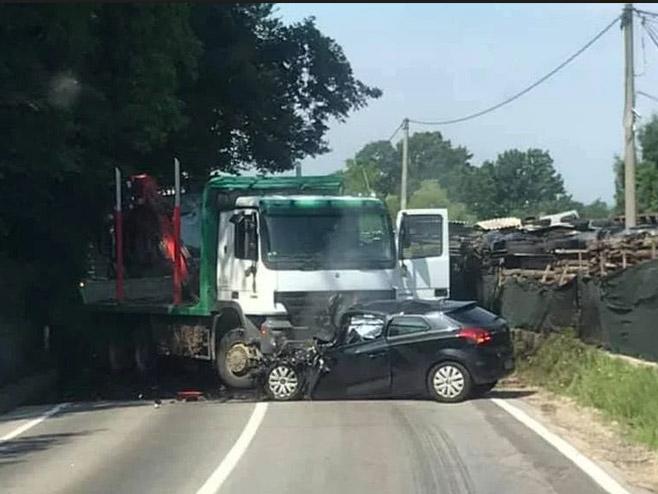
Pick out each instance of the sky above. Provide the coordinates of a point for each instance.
(439, 61)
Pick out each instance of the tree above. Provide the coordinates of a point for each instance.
(87, 87)
(646, 171)
(517, 182)
(430, 194)
(431, 157)
(373, 168)
(597, 209)
(265, 91)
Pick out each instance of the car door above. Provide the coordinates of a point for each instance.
(414, 342)
(423, 253)
(361, 368)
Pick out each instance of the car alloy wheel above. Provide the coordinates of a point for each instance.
(283, 383)
(449, 382)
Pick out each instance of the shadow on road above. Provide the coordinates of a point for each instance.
(12, 451)
(506, 394)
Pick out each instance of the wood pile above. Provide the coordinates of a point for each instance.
(601, 258)
(610, 255)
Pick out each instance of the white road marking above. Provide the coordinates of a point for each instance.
(605, 481)
(32, 423)
(217, 478)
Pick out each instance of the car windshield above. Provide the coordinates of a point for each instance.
(335, 238)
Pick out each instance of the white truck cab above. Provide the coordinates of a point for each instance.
(287, 255)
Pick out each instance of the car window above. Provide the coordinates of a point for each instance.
(404, 325)
(473, 315)
(363, 328)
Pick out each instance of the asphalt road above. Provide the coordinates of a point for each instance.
(304, 447)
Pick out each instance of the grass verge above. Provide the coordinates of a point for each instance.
(623, 392)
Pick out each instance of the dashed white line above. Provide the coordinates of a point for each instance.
(221, 473)
(605, 481)
(28, 425)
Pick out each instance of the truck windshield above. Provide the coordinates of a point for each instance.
(327, 238)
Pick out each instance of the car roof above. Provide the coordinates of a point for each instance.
(411, 306)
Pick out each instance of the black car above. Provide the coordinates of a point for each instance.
(446, 349)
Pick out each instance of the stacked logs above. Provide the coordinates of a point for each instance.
(599, 259)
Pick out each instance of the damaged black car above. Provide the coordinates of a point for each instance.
(447, 350)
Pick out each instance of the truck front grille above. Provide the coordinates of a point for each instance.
(310, 308)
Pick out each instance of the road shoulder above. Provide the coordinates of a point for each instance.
(632, 465)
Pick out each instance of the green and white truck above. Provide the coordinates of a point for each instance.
(269, 253)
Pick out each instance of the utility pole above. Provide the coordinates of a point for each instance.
(298, 170)
(630, 212)
(405, 163)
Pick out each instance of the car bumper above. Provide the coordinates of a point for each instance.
(491, 365)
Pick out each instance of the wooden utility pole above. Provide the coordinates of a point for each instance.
(630, 212)
(405, 163)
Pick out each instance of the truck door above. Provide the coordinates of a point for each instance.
(238, 256)
(423, 253)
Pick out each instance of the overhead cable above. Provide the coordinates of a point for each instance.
(527, 89)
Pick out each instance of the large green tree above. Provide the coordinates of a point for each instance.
(431, 157)
(646, 172)
(518, 182)
(87, 87)
(265, 91)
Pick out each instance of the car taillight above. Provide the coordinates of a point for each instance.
(478, 336)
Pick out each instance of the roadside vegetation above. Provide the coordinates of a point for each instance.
(624, 392)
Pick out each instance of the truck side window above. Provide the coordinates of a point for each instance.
(246, 237)
(421, 236)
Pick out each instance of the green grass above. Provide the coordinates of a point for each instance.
(622, 391)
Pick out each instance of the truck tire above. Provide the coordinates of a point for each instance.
(231, 360)
(144, 350)
(118, 354)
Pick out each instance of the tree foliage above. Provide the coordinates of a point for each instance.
(265, 90)
(646, 171)
(87, 87)
(518, 182)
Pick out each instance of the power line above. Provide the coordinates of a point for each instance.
(526, 90)
(652, 34)
(646, 12)
(396, 131)
(647, 95)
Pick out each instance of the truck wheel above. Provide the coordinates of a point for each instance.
(118, 354)
(233, 360)
(144, 351)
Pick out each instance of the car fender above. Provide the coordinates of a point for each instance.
(459, 355)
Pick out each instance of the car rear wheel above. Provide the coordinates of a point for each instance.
(283, 383)
(449, 382)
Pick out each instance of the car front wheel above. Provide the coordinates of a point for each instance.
(283, 383)
(449, 382)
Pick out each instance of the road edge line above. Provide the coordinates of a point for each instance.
(595, 472)
(27, 426)
(224, 469)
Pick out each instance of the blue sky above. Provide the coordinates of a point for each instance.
(438, 61)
